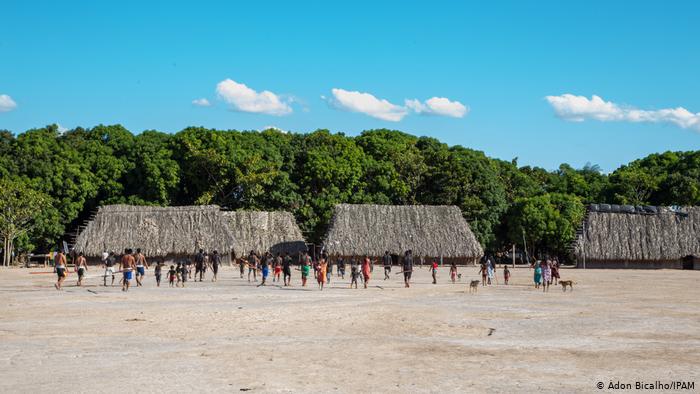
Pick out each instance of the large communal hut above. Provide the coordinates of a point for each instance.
(438, 232)
(275, 232)
(168, 232)
(623, 236)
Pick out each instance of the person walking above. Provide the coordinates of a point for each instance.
(386, 260)
(366, 270)
(407, 268)
(215, 263)
(81, 265)
(60, 266)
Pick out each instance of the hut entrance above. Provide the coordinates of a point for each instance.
(688, 262)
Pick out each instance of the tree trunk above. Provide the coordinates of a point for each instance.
(11, 249)
(5, 251)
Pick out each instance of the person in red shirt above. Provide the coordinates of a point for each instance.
(434, 271)
(366, 270)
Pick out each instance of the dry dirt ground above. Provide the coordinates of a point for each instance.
(231, 336)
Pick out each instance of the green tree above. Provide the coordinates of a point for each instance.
(547, 222)
(19, 205)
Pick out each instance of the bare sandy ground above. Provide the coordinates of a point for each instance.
(229, 336)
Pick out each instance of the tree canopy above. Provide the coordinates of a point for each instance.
(307, 174)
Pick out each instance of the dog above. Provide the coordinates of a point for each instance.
(565, 283)
(474, 286)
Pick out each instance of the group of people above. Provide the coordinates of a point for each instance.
(281, 264)
(487, 269)
(546, 271)
(133, 265)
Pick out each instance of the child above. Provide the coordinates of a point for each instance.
(482, 271)
(434, 269)
(278, 268)
(157, 271)
(354, 273)
(453, 272)
(305, 269)
(241, 265)
(366, 270)
(181, 275)
(172, 275)
(322, 271)
(341, 268)
(506, 274)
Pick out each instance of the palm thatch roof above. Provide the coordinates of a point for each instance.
(634, 237)
(431, 231)
(276, 232)
(158, 231)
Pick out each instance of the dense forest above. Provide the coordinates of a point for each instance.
(74, 172)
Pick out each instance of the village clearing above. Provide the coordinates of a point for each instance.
(229, 336)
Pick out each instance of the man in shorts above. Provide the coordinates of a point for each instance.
(265, 263)
(287, 269)
(215, 263)
(253, 266)
(61, 269)
(108, 263)
(127, 265)
(199, 265)
(141, 266)
(407, 268)
(81, 265)
(386, 260)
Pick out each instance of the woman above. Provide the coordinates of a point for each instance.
(546, 275)
(366, 269)
(538, 275)
(555, 271)
(322, 270)
(490, 270)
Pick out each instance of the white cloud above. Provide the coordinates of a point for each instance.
(7, 104)
(438, 106)
(367, 104)
(61, 129)
(580, 108)
(245, 99)
(201, 102)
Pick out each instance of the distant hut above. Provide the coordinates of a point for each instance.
(168, 232)
(429, 231)
(615, 236)
(275, 232)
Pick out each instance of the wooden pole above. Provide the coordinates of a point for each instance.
(513, 254)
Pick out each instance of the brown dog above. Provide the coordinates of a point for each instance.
(565, 283)
(474, 286)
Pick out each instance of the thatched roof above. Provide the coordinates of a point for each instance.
(664, 236)
(276, 232)
(431, 231)
(158, 231)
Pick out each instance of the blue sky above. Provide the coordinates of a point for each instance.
(491, 65)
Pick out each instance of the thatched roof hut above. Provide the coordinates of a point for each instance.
(276, 232)
(430, 231)
(655, 237)
(158, 231)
